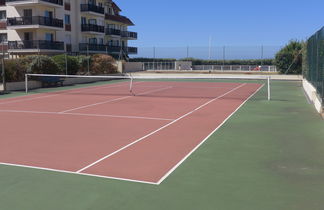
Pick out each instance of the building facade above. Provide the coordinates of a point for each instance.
(65, 26)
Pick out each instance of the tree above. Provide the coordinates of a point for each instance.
(289, 59)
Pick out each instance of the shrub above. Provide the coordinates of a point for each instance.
(43, 65)
(83, 63)
(15, 70)
(103, 64)
(289, 59)
(73, 65)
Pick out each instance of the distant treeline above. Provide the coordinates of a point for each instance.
(250, 62)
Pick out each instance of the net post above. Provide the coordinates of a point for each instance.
(269, 88)
(26, 83)
(131, 85)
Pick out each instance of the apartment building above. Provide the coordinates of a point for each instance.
(59, 26)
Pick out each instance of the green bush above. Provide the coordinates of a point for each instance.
(43, 65)
(84, 61)
(103, 64)
(15, 70)
(73, 65)
(289, 59)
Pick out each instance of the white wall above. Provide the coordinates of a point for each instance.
(312, 95)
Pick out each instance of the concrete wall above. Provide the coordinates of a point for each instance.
(132, 67)
(312, 95)
(183, 65)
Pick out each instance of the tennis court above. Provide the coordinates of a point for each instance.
(105, 131)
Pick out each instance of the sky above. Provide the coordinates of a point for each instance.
(175, 23)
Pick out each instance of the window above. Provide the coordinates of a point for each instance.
(49, 37)
(3, 14)
(28, 12)
(101, 41)
(3, 37)
(67, 19)
(83, 20)
(48, 14)
(92, 21)
(92, 41)
(28, 36)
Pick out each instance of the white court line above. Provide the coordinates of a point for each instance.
(203, 141)
(77, 90)
(159, 129)
(113, 100)
(71, 172)
(122, 179)
(89, 115)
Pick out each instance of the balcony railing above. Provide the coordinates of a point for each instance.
(129, 34)
(35, 20)
(111, 31)
(92, 47)
(117, 32)
(92, 28)
(35, 44)
(106, 48)
(58, 2)
(92, 8)
(132, 50)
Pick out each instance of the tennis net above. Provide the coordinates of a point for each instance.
(160, 85)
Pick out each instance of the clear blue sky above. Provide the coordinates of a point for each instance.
(176, 23)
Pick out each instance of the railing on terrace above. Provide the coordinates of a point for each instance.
(92, 8)
(58, 2)
(106, 48)
(35, 20)
(235, 68)
(129, 34)
(36, 44)
(111, 31)
(172, 64)
(92, 28)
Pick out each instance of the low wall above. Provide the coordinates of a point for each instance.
(312, 95)
(183, 65)
(14, 86)
(132, 67)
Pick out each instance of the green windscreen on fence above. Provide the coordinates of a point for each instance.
(314, 71)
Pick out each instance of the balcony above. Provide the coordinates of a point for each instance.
(85, 47)
(34, 22)
(32, 46)
(119, 19)
(91, 8)
(132, 50)
(92, 28)
(95, 48)
(129, 35)
(53, 3)
(113, 32)
(125, 34)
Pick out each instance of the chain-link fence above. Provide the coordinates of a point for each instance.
(314, 68)
(209, 52)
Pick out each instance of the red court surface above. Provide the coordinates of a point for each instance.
(105, 131)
